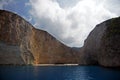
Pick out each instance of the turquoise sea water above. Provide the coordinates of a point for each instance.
(58, 73)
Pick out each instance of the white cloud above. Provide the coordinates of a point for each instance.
(67, 3)
(3, 3)
(70, 25)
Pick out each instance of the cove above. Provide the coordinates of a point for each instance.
(58, 73)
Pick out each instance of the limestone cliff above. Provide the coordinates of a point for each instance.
(14, 38)
(46, 49)
(21, 43)
(103, 44)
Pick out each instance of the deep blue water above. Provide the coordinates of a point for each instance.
(58, 73)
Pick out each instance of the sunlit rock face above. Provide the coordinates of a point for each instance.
(15, 35)
(21, 43)
(46, 49)
(103, 44)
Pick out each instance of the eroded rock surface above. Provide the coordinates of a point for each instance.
(21, 43)
(103, 44)
(25, 44)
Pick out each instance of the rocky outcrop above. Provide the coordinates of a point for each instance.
(46, 49)
(21, 43)
(103, 44)
(15, 35)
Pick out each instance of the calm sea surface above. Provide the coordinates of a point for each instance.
(58, 73)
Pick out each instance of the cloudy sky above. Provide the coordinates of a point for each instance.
(70, 21)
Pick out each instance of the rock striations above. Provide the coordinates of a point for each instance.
(21, 43)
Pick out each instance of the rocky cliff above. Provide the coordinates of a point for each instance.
(14, 38)
(21, 43)
(103, 44)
